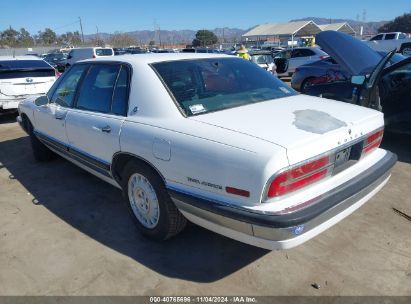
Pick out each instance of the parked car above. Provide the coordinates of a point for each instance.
(288, 60)
(326, 71)
(215, 140)
(264, 60)
(373, 83)
(78, 54)
(56, 60)
(386, 42)
(22, 77)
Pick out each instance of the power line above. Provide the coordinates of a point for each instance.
(63, 26)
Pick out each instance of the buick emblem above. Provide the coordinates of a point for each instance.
(29, 80)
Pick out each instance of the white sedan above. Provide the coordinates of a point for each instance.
(215, 140)
(22, 77)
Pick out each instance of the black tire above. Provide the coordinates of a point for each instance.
(406, 49)
(170, 221)
(305, 84)
(40, 152)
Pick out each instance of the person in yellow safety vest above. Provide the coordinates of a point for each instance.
(243, 53)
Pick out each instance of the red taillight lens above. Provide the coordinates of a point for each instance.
(94, 56)
(373, 141)
(57, 73)
(237, 191)
(324, 57)
(299, 177)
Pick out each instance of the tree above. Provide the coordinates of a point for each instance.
(24, 38)
(70, 38)
(9, 37)
(122, 40)
(48, 37)
(205, 38)
(399, 24)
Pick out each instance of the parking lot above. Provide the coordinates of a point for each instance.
(65, 232)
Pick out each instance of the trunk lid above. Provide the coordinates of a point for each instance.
(305, 126)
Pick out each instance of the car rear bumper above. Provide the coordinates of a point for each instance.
(288, 230)
(10, 104)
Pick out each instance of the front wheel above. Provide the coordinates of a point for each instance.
(40, 152)
(149, 203)
(406, 51)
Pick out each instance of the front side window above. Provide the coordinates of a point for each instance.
(66, 90)
(208, 85)
(97, 88)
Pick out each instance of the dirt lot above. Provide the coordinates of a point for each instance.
(64, 232)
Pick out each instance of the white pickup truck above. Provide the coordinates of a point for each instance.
(385, 42)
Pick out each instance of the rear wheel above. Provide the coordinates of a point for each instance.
(149, 203)
(40, 152)
(306, 84)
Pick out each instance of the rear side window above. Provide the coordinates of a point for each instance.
(402, 36)
(389, 36)
(302, 53)
(97, 88)
(104, 52)
(66, 90)
(25, 68)
(120, 95)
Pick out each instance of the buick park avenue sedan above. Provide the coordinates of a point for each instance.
(215, 140)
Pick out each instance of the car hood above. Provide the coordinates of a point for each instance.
(351, 53)
(305, 126)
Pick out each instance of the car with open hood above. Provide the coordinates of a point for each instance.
(374, 82)
(215, 140)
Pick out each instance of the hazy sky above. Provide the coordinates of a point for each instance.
(128, 15)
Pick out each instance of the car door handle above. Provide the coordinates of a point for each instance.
(60, 116)
(106, 129)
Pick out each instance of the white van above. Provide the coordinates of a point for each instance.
(87, 53)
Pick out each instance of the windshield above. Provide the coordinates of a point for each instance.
(208, 85)
(262, 59)
(104, 52)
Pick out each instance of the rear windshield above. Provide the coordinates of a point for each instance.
(207, 85)
(104, 52)
(25, 68)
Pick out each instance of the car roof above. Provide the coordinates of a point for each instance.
(26, 57)
(158, 57)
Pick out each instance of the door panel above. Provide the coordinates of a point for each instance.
(94, 135)
(50, 119)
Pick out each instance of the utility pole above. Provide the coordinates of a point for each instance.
(81, 28)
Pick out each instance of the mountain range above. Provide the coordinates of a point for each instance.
(228, 34)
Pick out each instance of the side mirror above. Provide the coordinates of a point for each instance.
(41, 100)
(359, 80)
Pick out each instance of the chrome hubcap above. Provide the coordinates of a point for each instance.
(143, 200)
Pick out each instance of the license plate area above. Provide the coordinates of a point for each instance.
(341, 161)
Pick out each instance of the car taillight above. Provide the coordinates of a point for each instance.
(324, 57)
(57, 73)
(373, 141)
(94, 56)
(300, 176)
